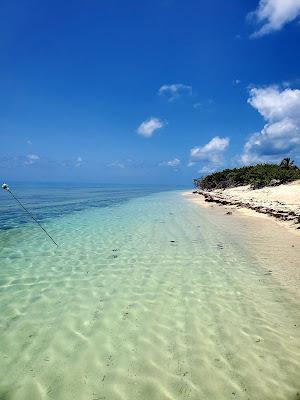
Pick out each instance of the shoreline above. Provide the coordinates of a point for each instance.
(273, 241)
(281, 203)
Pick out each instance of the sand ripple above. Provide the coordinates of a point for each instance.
(150, 299)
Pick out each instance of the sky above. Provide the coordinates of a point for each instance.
(159, 91)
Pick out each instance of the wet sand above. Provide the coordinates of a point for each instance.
(263, 235)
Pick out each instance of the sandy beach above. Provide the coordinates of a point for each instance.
(280, 202)
(251, 212)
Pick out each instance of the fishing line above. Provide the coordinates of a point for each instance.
(6, 187)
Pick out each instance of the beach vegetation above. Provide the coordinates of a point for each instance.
(257, 176)
(287, 163)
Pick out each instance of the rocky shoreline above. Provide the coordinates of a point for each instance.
(274, 208)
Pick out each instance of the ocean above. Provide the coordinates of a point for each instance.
(148, 296)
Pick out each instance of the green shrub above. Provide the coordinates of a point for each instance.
(257, 176)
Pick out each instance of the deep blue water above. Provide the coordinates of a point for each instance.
(47, 201)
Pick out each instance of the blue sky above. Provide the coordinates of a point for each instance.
(146, 92)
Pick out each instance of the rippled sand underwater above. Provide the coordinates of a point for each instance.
(148, 299)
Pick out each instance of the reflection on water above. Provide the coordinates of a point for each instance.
(149, 299)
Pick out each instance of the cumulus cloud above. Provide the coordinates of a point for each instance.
(275, 104)
(212, 154)
(175, 90)
(281, 134)
(148, 127)
(272, 15)
(211, 151)
(171, 163)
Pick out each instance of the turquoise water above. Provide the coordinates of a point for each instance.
(148, 296)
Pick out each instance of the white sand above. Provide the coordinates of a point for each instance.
(281, 202)
(289, 194)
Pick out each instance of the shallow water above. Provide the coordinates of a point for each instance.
(145, 298)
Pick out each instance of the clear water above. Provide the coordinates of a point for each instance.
(147, 297)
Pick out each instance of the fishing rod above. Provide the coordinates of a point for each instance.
(7, 189)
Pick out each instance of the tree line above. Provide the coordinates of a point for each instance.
(257, 176)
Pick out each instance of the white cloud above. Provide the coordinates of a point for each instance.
(197, 106)
(79, 161)
(171, 163)
(191, 164)
(148, 127)
(207, 169)
(205, 104)
(116, 164)
(281, 134)
(175, 90)
(272, 15)
(211, 151)
(32, 159)
(274, 104)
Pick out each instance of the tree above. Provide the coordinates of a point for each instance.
(287, 163)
